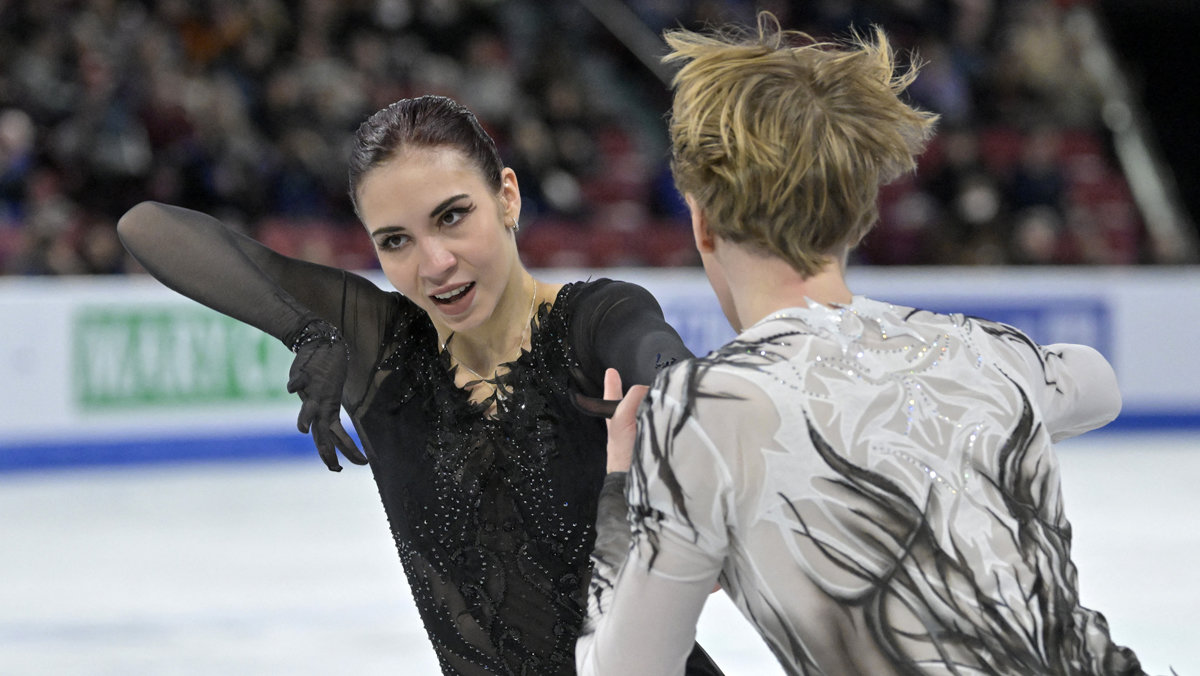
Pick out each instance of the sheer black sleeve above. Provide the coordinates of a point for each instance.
(201, 258)
(621, 325)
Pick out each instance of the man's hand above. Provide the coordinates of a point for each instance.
(622, 427)
(317, 376)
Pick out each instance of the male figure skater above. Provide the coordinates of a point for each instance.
(875, 486)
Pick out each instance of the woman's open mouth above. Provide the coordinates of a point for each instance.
(454, 295)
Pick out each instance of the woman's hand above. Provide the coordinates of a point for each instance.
(622, 427)
(317, 376)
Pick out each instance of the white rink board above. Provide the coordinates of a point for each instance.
(104, 361)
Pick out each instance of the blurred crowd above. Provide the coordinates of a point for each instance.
(244, 109)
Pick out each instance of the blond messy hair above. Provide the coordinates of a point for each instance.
(784, 141)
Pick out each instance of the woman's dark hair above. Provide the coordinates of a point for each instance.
(426, 122)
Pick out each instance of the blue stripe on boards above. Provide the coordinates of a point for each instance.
(1155, 421)
(90, 453)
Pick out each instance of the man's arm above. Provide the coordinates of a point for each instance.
(648, 588)
(1073, 386)
(1085, 393)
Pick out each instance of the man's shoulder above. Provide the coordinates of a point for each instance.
(696, 383)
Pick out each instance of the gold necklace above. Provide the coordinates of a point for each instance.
(524, 332)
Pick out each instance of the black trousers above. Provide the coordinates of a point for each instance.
(700, 664)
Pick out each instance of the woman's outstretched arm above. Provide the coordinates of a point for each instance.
(332, 319)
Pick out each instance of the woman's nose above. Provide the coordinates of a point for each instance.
(436, 258)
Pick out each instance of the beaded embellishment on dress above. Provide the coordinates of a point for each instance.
(492, 515)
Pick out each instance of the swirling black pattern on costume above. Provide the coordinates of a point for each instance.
(925, 606)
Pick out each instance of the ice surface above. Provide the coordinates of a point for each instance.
(285, 568)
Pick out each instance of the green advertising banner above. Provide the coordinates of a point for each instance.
(136, 356)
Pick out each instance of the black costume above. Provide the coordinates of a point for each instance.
(493, 514)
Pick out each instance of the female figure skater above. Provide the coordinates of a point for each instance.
(874, 486)
(461, 384)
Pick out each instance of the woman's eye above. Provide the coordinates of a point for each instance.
(453, 216)
(393, 241)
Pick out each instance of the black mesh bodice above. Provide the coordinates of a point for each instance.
(492, 515)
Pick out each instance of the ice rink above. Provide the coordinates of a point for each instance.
(282, 567)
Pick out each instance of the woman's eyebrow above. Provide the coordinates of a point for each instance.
(445, 203)
(387, 230)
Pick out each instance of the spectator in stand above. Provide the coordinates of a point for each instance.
(242, 109)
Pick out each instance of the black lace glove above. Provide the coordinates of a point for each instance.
(317, 375)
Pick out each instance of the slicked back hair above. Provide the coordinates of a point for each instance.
(422, 122)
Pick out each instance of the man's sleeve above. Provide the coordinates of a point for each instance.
(1073, 386)
(646, 597)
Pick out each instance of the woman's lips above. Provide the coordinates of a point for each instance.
(456, 300)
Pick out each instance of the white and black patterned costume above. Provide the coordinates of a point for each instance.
(874, 486)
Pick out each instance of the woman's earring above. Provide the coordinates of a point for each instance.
(515, 226)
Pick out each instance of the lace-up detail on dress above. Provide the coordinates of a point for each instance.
(492, 513)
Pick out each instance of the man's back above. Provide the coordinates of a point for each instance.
(878, 488)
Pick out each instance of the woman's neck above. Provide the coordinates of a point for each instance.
(500, 338)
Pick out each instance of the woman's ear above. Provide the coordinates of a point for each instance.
(704, 238)
(510, 196)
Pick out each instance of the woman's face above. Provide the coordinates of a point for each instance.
(442, 233)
